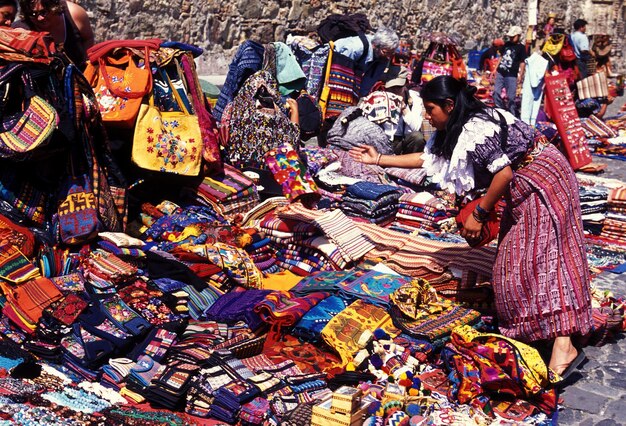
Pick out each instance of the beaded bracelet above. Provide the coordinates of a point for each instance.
(482, 211)
(478, 217)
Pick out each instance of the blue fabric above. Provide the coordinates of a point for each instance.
(238, 306)
(370, 190)
(310, 326)
(247, 61)
(195, 50)
(510, 86)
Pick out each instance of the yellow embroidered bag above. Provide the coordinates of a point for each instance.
(554, 44)
(166, 141)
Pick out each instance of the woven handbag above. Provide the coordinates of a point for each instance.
(30, 127)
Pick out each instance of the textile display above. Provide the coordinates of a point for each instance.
(290, 172)
(247, 60)
(442, 59)
(594, 86)
(341, 84)
(519, 371)
(284, 309)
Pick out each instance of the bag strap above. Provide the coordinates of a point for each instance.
(366, 46)
(504, 129)
(175, 93)
(131, 63)
(101, 49)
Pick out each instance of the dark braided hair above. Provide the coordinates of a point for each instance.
(466, 105)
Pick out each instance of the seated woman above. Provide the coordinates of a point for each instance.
(67, 23)
(8, 11)
(540, 276)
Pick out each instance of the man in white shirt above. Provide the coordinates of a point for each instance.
(580, 43)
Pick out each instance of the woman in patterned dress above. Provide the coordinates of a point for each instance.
(540, 276)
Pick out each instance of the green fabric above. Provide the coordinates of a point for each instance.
(288, 72)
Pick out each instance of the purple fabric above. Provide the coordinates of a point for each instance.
(520, 138)
(237, 306)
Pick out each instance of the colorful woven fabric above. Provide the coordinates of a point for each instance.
(434, 321)
(291, 174)
(16, 267)
(343, 331)
(351, 242)
(235, 262)
(311, 324)
(549, 295)
(484, 363)
(284, 309)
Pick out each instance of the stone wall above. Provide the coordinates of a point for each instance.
(220, 25)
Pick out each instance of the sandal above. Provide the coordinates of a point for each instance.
(576, 362)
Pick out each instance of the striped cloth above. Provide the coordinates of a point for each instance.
(541, 276)
(337, 227)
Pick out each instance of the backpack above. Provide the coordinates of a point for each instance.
(256, 124)
(567, 53)
(338, 26)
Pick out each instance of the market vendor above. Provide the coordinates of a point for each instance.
(540, 275)
(67, 23)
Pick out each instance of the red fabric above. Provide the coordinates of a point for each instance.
(95, 52)
(491, 228)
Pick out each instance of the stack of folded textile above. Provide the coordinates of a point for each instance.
(262, 254)
(374, 202)
(421, 210)
(593, 205)
(614, 226)
(285, 231)
(105, 271)
(302, 260)
(231, 193)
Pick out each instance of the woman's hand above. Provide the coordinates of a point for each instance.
(471, 228)
(364, 153)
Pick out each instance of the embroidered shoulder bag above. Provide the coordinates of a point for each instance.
(28, 128)
(165, 141)
(120, 85)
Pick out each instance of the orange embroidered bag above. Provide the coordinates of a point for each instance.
(120, 85)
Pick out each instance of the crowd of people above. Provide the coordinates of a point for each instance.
(333, 220)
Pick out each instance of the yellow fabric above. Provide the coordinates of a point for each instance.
(537, 371)
(284, 280)
(133, 396)
(325, 94)
(343, 331)
(554, 44)
(167, 141)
